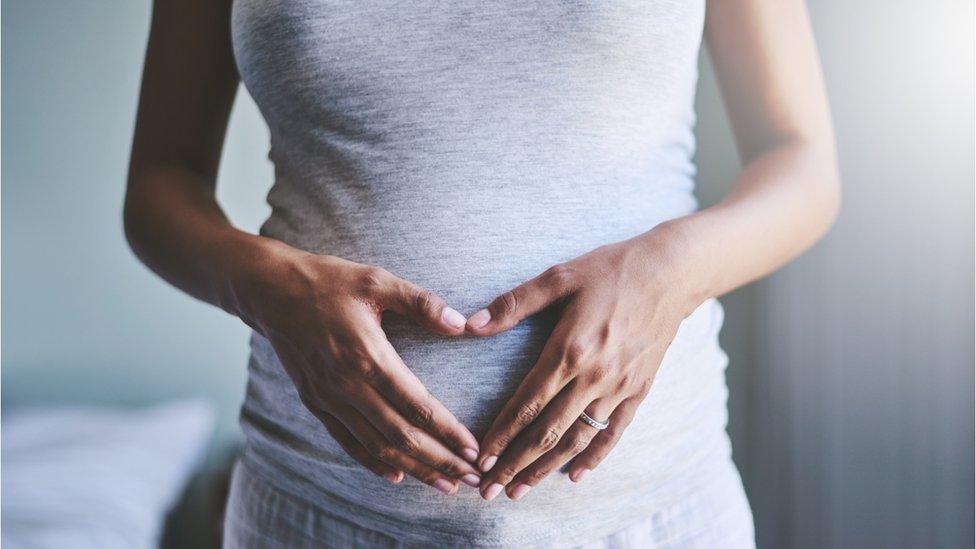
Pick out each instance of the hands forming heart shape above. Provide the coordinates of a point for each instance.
(620, 304)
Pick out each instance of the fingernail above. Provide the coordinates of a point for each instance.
(453, 318)
(393, 476)
(469, 454)
(471, 480)
(444, 485)
(520, 491)
(488, 463)
(577, 476)
(479, 319)
(492, 491)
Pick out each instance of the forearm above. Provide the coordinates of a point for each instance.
(621, 305)
(784, 200)
(175, 226)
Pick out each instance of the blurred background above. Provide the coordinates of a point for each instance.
(852, 370)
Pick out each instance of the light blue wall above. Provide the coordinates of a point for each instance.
(82, 319)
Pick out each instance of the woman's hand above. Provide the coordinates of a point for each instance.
(322, 316)
(623, 303)
(621, 307)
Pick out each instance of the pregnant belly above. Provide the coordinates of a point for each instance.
(679, 427)
(471, 376)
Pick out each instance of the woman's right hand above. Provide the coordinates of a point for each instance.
(322, 316)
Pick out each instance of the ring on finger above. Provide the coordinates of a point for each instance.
(598, 425)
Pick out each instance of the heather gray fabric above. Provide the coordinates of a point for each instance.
(467, 146)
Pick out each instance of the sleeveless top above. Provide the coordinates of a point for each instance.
(467, 146)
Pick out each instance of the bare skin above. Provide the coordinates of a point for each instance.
(351, 379)
(599, 358)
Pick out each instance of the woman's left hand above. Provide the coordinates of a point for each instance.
(621, 307)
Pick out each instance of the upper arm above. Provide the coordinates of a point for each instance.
(768, 69)
(188, 87)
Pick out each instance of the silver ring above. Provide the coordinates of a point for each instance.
(598, 425)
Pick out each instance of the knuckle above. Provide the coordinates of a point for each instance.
(383, 451)
(507, 303)
(429, 477)
(336, 352)
(506, 475)
(562, 277)
(547, 439)
(574, 352)
(567, 369)
(579, 442)
(420, 414)
(631, 383)
(450, 467)
(501, 440)
(526, 413)
(425, 301)
(601, 373)
(388, 454)
(536, 475)
(405, 440)
(372, 279)
(644, 387)
(363, 368)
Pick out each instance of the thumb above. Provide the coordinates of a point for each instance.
(422, 306)
(523, 301)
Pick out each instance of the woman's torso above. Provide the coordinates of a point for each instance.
(467, 146)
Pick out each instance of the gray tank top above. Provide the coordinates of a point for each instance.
(468, 146)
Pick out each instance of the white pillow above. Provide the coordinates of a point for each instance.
(90, 477)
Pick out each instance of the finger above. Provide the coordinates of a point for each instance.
(576, 440)
(542, 436)
(356, 450)
(605, 440)
(380, 448)
(374, 443)
(422, 306)
(549, 376)
(413, 441)
(523, 301)
(398, 384)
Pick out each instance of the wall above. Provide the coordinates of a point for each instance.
(852, 370)
(85, 322)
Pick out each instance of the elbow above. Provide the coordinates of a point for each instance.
(831, 190)
(831, 200)
(816, 159)
(133, 217)
(129, 227)
(836, 201)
